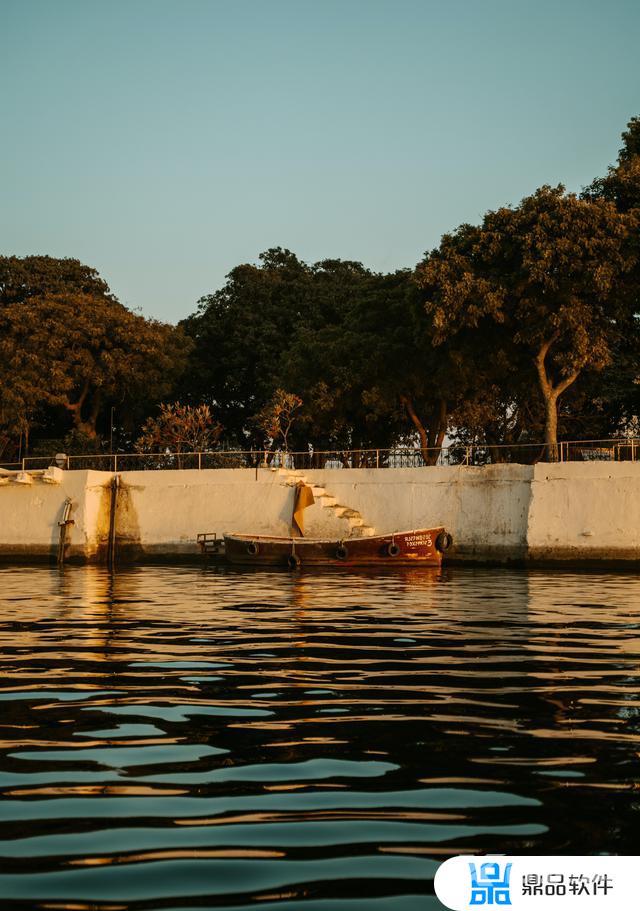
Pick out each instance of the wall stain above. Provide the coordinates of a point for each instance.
(127, 540)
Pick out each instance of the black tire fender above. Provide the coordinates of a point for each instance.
(342, 552)
(444, 541)
(253, 548)
(392, 549)
(293, 561)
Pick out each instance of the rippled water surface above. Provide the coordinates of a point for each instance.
(193, 738)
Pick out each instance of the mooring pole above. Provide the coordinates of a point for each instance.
(111, 550)
(63, 526)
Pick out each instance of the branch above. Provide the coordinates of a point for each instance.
(76, 406)
(442, 423)
(408, 404)
(539, 360)
(566, 382)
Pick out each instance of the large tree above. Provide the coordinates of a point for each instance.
(333, 365)
(240, 334)
(621, 185)
(545, 277)
(67, 344)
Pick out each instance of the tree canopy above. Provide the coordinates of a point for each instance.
(547, 277)
(69, 349)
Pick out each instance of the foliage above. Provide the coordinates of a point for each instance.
(544, 278)
(179, 428)
(276, 418)
(74, 350)
(621, 185)
(239, 334)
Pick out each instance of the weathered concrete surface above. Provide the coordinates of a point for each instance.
(585, 512)
(29, 516)
(485, 509)
(162, 512)
(578, 512)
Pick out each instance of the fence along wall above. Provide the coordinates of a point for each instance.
(547, 512)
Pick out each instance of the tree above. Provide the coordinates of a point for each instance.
(240, 334)
(330, 361)
(621, 186)
(544, 277)
(41, 276)
(73, 349)
(276, 418)
(180, 428)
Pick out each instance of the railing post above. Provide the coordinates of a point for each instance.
(377, 458)
(115, 461)
(23, 463)
(199, 461)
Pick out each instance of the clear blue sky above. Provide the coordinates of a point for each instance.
(165, 141)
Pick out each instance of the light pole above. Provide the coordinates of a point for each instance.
(113, 408)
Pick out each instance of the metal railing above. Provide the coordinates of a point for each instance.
(612, 450)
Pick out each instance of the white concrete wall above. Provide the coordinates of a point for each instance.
(585, 511)
(29, 514)
(164, 511)
(570, 511)
(485, 509)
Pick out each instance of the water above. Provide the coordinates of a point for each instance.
(192, 738)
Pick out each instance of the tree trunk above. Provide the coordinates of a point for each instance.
(550, 395)
(551, 427)
(76, 410)
(431, 436)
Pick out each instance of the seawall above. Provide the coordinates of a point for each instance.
(574, 512)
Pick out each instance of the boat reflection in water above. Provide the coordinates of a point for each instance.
(208, 737)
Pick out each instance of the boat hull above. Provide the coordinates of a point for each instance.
(399, 549)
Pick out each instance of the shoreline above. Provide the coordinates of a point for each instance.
(572, 514)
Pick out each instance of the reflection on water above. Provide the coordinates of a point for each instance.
(178, 738)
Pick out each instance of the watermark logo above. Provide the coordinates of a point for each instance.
(490, 886)
(539, 883)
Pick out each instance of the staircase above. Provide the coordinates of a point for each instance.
(349, 518)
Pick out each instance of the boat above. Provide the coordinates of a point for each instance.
(424, 546)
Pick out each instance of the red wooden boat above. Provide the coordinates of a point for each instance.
(423, 546)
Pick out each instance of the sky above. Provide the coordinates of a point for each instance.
(166, 141)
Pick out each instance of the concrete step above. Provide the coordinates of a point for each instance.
(357, 527)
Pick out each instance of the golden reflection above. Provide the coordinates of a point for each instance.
(176, 854)
(79, 906)
(341, 815)
(90, 790)
(288, 787)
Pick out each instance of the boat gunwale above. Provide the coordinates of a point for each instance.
(275, 539)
